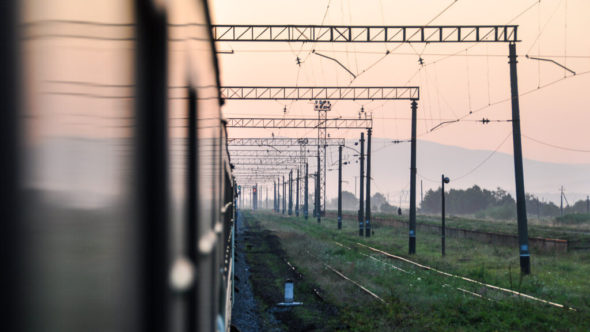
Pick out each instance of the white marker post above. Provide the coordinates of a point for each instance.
(289, 295)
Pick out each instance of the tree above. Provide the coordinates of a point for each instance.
(432, 201)
(377, 201)
(349, 202)
(387, 208)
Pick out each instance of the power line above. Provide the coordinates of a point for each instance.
(544, 26)
(536, 2)
(556, 146)
(485, 160)
(462, 119)
(441, 12)
(578, 56)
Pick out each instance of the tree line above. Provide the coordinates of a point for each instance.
(475, 201)
(497, 204)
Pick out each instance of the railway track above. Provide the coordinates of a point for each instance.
(497, 288)
(429, 268)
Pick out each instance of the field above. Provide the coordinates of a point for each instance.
(414, 298)
(544, 228)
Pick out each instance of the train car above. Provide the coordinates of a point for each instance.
(117, 193)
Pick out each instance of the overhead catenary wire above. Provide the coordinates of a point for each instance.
(544, 26)
(388, 52)
(455, 54)
(497, 102)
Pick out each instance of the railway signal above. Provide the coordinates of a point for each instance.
(442, 238)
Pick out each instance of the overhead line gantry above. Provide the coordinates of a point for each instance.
(279, 161)
(281, 141)
(408, 34)
(320, 93)
(365, 33)
(269, 154)
(299, 123)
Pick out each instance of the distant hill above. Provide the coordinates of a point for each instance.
(391, 171)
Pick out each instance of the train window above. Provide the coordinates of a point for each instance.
(79, 202)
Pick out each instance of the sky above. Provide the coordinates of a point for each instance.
(554, 103)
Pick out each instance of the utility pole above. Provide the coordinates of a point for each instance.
(284, 195)
(279, 195)
(588, 204)
(255, 197)
(274, 197)
(412, 249)
(561, 202)
(306, 192)
(266, 200)
(290, 193)
(361, 184)
(442, 238)
(318, 213)
(421, 194)
(340, 187)
(368, 200)
(297, 195)
(523, 236)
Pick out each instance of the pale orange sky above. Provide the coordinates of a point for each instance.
(450, 87)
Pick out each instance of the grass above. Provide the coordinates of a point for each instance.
(574, 231)
(421, 299)
(576, 218)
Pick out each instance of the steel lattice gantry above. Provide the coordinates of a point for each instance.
(278, 161)
(295, 123)
(264, 168)
(270, 154)
(319, 93)
(280, 141)
(366, 34)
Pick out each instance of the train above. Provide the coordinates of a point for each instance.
(117, 194)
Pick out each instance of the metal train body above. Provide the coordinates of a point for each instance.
(117, 193)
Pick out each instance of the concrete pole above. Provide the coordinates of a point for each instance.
(523, 237)
(412, 242)
(284, 195)
(316, 210)
(297, 194)
(442, 237)
(368, 194)
(361, 185)
(317, 195)
(306, 193)
(340, 187)
(290, 212)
